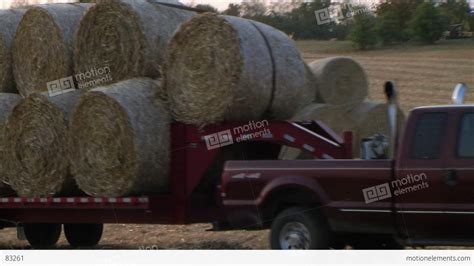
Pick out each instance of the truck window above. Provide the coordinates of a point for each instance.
(429, 134)
(466, 137)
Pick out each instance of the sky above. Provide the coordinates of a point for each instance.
(219, 4)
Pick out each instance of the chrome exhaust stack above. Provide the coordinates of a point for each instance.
(459, 93)
(392, 100)
(381, 146)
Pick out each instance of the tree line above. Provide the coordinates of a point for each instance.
(394, 21)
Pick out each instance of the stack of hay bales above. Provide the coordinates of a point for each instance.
(129, 36)
(342, 86)
(120, 136)
(114, 140)
(9, 20)
(120, 140)
(43, 45)
(36, 150)
(223, 68)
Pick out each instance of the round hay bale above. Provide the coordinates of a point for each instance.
(43, 45)
(293, 85)
(336, 117)
(340, 81)
(371, 118)
(129, 36)
(228, 68)
(36, 153)
(7, 103)
(9, 20)
(120, 140)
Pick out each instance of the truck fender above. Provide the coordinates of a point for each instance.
(293, 182)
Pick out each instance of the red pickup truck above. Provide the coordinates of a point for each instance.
(229, 175)
(422, 197)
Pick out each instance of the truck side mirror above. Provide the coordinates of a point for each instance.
(459, 93)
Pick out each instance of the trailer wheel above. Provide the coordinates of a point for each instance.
(298, 228)
(42, 236)
(83, 235)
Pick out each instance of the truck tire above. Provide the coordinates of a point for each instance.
(42, 236)
(83, 235)
(298, 228)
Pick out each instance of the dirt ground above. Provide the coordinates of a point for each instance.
(133, 236)
(425, 75)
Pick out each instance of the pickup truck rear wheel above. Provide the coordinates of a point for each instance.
(83, 235)
(298, 228)
(42, 236)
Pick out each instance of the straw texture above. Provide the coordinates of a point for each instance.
(9, 20)
(43, 45)
(227, 68)
(7, 102)
(340, 81)
(129, 36)
(36, 152)
(120, 140)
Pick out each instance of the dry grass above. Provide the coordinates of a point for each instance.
(425, 75)
(43, 45)
(224, 68)
(9, 20)
(340, 80)
(129, 36)
(36, 138)
(120, 140)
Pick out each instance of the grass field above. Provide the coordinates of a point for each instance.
(425, 75)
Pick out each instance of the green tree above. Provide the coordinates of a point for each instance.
(363, 35)
(389, 29)
(302, 21)
(206, 7)
(232, 10)
(253, 10)
(297, 19)
(403, 10)
(456, 11)
(427, 24)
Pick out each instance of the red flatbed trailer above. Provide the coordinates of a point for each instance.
(182, 205)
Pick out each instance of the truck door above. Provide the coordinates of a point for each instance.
(419, 188)
(459, 178)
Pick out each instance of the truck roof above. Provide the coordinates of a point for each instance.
(438, 108)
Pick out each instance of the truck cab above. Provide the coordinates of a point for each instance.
(439, 146)
(423, 196)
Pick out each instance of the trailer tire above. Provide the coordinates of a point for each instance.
(83, 235)
(42, 235)
(298, 228)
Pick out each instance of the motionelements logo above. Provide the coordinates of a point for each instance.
(252, 130)
(399, 187)
(89, 79)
